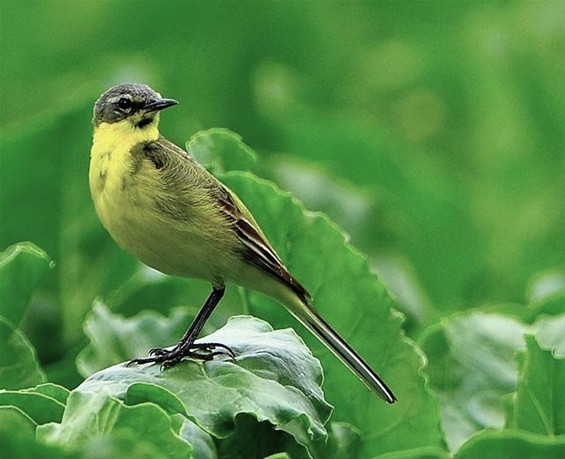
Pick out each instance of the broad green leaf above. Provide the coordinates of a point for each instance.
(90, 416)
(17, 437)
(357, 305)
(54, 391)
(19, 367)
(524, 445)
(540, 398)
(470, 368)
(274, 379)
(39, 407)
(221, 150)
(22, 266)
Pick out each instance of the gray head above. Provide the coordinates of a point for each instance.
(135, 102)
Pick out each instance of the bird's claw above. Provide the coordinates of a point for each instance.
(197, 351)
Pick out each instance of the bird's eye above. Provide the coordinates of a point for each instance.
(124, 104)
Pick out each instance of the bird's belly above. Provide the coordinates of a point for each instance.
(137, 225)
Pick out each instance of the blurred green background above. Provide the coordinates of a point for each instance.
(432, 132)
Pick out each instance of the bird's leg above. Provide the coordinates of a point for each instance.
(186, 347)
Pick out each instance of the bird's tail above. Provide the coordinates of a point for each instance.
(306, 314)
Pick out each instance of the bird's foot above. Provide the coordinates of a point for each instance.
(198, 351)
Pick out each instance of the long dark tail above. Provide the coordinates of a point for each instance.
(330, 338)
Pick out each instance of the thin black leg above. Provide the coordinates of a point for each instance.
(203, 315)
(186, 346)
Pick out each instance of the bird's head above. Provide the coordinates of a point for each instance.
(137, 103)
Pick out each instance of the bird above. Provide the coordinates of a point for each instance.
(162, 206)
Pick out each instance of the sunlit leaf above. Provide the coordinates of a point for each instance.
(275, 380)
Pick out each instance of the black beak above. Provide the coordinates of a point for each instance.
(160, 104)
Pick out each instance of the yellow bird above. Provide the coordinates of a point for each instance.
(163, 207)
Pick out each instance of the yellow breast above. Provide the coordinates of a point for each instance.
(121, 192)
(110, 156)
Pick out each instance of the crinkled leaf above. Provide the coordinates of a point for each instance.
(115, 339)
(510, 444)
(19, 367)
(89, 416)
(358, 306)
(471, 367)
(540, 400)
(275, 378)
(221, 150)
(22, 266)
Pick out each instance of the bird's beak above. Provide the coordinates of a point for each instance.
(160, 104)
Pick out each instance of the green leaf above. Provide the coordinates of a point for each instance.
(54, 391)
(127, 443)
(252, 438)
(22, 266)
(115, 339)
(418, 453)
(274, 367)
(413, 195)
(540, 398)
(89, 416)
(17, 437)
(19, 367)
(202, 442)
(344, 442)
(39, 407)
(221, 150)
(471, 367)
(357, 305)
(549, 329)
(52, 207)
(275, 378)
(523, 445)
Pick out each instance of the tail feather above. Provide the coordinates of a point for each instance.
(343, 351)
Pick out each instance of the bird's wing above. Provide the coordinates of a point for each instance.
(255, 248)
